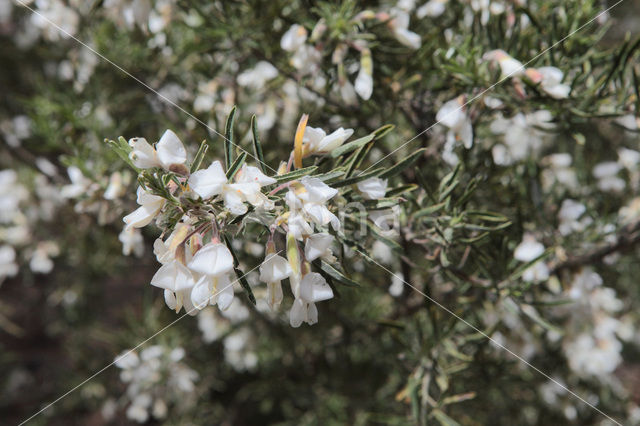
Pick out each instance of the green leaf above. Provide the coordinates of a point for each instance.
(401, 190)
(245, 286)
(337, 275)
(443, 419)
(122, 149)
(257, 146)
(228, 138)
(382, 131)
(429, 210)
(236, 165)
(403, 164)
(352, 146)
(296, 174)
(356, 179)
(197, 160)
(330, 176)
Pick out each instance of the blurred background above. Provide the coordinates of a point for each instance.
(74, 288)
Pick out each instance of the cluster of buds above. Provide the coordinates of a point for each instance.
(201, 209)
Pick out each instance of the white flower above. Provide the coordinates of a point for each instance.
(212, 329)
(173, 276)
(364, 84)
(629, 158)
(318, 142)
(364, 80)
(293, 38)
(606, 173)
(347, 92)
(510, 67)
(208, 287)
(486, 9)
(80, 185)
(168, 154)
(523, 136)
(528, 250)
(453, 116)
(132, 241)
(313, 288)
(116, 187)
(165, 250)
(569, 215)
(400, 27)
(318, 245)
(150, 206)
(274, 269)
(143, 155)
(41, 262)
(373, 188)
(8, 267)
(432, 8)
(258, 76)
(550, 80)
(298, 226)
(248, 181)
(397, 285)
(208, 182)
(214, 259)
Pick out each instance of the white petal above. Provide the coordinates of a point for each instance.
(313, 136)
(234, 199)
(312, 314)
(408, 38)
(314, 288)
(212, 259)
(528, 249)
(451, 114)
(171, 150)
(317, 191)
(293, 38)
(142, 216)
(250, 174)
(334, 140)
(373, 188)
(298, 313)
(274, 294)
(225, 294)
(274, 268)
(173, 276)
(202, 292)
(364, 85)
(170, 299)
(143, 155)
(208, 182)
(317, 245)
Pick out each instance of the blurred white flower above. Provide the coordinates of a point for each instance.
(294, 38)
(373, 188)
(607, 175)
(256, 77)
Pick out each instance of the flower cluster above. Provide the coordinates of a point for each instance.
(199, 207)
(155, 378)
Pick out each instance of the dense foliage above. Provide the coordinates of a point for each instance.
(404, 212)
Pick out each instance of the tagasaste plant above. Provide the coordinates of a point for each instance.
(447, 190)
